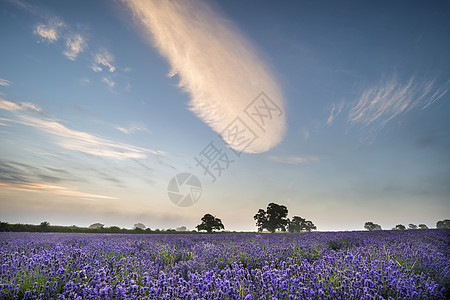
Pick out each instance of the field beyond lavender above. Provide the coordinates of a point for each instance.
(413, 264)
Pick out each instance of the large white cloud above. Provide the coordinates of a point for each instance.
(218, 67)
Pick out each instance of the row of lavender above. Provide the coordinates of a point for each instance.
(353, 265)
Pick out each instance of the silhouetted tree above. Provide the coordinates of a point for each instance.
(4, 226)
(96, 226)
(423, 226)
(372, 226)
(261, 220)
(114, 229)
(139, 225)
(399, 227)
(296, 224)
(181, 228)
(274, 218)
(443, 224)
(309, 225)
(44, 224)
(412, 226)
(210, 223)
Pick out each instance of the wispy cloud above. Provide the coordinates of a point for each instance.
(217, 65)
(294, 160)
(103, 58)
(335, 111)
(388, 99)
(52, 189)
(109, 82)
(84, 81)
(135, 127)
(25, 177)
(4, 82)
(75, 44)
(19, 106)
(73, 139)
(49, 32)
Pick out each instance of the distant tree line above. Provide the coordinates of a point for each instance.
(439, 225)
(45, 226)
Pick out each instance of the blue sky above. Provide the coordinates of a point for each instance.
(103, 103)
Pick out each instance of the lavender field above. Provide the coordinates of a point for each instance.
(413, 264)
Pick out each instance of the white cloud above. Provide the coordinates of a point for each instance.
(335, 111)
(294, 160)
(217, 66)
(14, 106)
(135, 127)
(74, 45)
(108, 82)
(4, 82)
(96, 69)
(103, 58)
(52, 189)
(50, 32)
(388, 99)
(73, 139)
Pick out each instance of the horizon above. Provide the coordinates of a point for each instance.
(135, 111)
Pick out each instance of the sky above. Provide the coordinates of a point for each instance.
(159, 112)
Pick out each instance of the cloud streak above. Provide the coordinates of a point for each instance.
(73, 139)
(52, 189)
(109, 82)
(294, 160)
(134, 127)
(103, 58)
(387, 100)
(4, 82)
(336, 109)
(217, 66)
(24, 177)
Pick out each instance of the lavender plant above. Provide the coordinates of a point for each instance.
(348, 265)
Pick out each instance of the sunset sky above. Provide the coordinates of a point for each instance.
(102, 103)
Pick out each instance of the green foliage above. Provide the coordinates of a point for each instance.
(399, 227)
(45, 224)
(412, 226)
(372, 226)
(274, 218)
(443, 224)
(210, 223)
(6, 227)
(298, 224)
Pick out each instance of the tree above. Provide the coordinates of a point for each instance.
(372, 226)
(181, 228)
(443, 224)
(261, 220)
(210, 223)
(423, 226)
(412, 226)
(274, 218)
(44, 224)
(309, 225)
(139, 225)
(96, 226)
(399, 227)
(296, 224)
